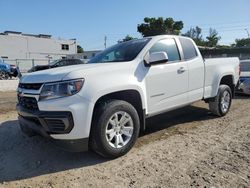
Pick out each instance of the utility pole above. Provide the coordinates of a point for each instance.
(105, 41)
(247, 33)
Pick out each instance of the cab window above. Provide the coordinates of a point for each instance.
(188, 48)
(169, 46)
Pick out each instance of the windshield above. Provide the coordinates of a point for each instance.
(126, 51)
(245, 66)
(53, 62)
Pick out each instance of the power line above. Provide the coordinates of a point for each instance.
(105, 41)
(227, 30)
(222, 23)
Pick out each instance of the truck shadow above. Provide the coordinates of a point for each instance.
(176, 122)
(22, 157)
(242, 96)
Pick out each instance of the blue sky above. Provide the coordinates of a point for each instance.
(89, 21)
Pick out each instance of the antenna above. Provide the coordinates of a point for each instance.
(105, 41)
(247, 33)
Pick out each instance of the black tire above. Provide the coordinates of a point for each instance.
(216, 106)
(27, 131)
(101, 119)
(2, 75)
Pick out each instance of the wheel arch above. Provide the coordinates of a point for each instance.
(228, 80)
(131, 96)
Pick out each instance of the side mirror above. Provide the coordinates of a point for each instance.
(157, 58)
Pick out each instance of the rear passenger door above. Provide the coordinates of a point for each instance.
(166, 84)
(196, 72)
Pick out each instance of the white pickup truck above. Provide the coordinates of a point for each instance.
(104, 104)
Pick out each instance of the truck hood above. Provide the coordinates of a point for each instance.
(58, 74)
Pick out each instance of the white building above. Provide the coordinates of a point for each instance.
(17, 45)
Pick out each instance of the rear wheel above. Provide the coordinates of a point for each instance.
(222, 102)
(115, 129)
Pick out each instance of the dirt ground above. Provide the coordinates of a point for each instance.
(188, 147)
(8, 101)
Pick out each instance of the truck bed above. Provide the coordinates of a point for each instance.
(215, 69)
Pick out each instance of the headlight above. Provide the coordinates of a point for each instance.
(61, 89)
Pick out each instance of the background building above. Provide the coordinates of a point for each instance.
(29, 49)
(17, 45)
(85, 55)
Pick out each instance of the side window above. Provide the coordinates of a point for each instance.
(62, 63)
(188, 47)
(169, 46)
(76, 62)
(65, 47)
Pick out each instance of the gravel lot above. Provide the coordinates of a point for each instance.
(185, 148)
(8, 85)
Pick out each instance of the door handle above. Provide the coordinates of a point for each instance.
(181, 70)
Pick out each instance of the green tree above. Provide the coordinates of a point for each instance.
(125, 39)
(245, 42)
(195, 34)
(159, 26)
(79, 49)
(213, 38)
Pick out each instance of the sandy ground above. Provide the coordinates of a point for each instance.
(8, 101)
(9, 85)
(186, 148)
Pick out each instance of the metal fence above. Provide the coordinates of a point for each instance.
(26, 64)
(240, 56)
(241, 53)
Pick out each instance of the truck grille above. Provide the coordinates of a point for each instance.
(30, 86)
(29, 103)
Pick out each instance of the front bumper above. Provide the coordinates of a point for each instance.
(50, 122)
(47, 123)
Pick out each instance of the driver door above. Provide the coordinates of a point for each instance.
(166, 84)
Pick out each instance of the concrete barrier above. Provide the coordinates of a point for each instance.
(8, 85)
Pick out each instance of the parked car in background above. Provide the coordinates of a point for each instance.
(244, 82)
(7, 71)
(56, 63)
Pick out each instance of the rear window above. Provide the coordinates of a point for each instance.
(245, 66)
(188, 47)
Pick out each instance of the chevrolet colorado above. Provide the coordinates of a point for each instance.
(104, 104)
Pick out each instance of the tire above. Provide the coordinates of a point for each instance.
(2, 75)
(27, 131)
(221, 104)
(113, 122)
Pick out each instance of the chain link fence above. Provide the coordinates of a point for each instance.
(26, 64)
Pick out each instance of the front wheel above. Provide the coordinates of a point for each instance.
(115, 128)
(222, 102)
